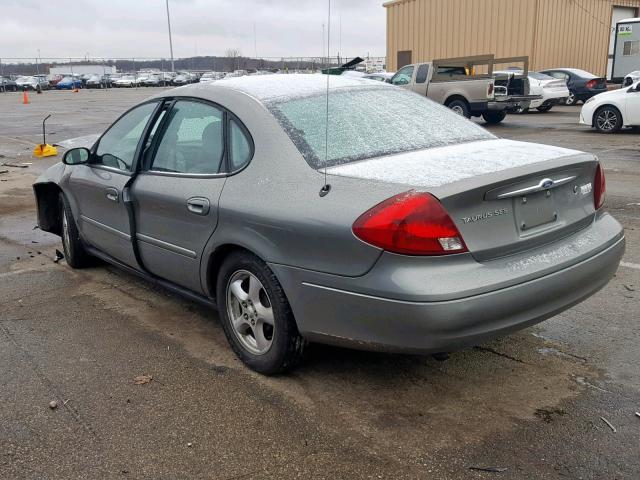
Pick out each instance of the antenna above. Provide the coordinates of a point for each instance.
(326, 188)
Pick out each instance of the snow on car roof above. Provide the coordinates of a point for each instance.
(288, 86)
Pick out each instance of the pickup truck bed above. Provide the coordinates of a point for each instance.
(452, 82)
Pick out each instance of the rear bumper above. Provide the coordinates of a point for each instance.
(548, 102)
(345, 317)
(587, 94)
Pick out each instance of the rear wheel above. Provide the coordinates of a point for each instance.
(608, 119)
(494, 118)
(460, 107)
(571, 99)
(74, 251)
(544, 108)
(256, 316)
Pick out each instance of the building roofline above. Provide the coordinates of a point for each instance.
(394, 2)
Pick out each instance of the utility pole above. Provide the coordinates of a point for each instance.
(173, 69)
(323, 54)
(255, 41)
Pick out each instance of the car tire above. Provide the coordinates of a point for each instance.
(461, 107)
(545, 108)
(571, 99)
(607, 119)
(74, 251)
(264, 335)
(494, 118)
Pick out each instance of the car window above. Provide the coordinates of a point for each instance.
(118, 145)
(369, 122)
(423, 71)
(193, 141)
(240, 147)
(403, 77)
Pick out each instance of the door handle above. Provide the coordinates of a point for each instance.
(198, 206)
(112, 194)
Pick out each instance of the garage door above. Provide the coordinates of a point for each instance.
(619, 13)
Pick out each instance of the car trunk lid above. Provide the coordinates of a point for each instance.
(504, 196)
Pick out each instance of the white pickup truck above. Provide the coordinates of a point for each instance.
(452, 82)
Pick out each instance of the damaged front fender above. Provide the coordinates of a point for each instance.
(47, 193)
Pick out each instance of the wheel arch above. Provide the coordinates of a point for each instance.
(454, 97)
(48, 206)
(214, 260)
(610, 105)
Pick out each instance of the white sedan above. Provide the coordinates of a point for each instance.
(126, 81)
(553, 91)
(610, 111)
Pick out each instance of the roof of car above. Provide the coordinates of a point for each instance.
(266, 88)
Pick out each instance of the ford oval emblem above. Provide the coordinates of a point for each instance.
(547, 183)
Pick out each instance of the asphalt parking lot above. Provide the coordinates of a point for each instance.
(533, 404)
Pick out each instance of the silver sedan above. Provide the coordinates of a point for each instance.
(335, 210)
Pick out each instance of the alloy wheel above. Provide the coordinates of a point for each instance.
(250, 312)
(571, 99)
(607, 120)
(458, 109)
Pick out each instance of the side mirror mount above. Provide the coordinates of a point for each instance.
(76, 156)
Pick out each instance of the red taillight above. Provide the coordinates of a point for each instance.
(592, 83)
(411, 223)
(490, 89)
(599, 188)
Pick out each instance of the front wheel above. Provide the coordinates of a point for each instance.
(256, 316)
(74, 251)
(608, 119)
(544, 108)
(494, 118)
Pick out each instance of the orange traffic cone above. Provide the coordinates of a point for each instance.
(25, 97)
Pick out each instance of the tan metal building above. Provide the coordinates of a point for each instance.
(553, 33)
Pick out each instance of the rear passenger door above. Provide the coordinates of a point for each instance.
(177, 192)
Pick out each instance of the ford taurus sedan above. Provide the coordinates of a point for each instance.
(374, 219)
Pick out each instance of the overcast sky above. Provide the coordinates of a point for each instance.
(138, 28)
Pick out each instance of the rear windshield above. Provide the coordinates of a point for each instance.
(581, 73)
(540, 76)
(371, 122)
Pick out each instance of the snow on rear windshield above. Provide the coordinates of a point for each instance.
(366, 123)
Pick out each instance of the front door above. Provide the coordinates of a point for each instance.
(177, 192)
(96, 188)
